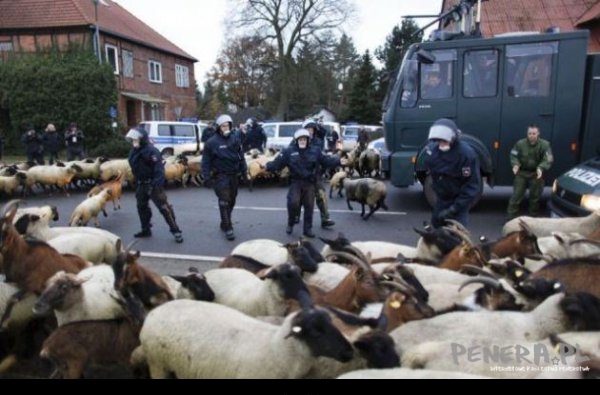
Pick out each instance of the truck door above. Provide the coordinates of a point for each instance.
(528, 98)
(480, 102)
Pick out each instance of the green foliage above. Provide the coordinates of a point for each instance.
(57, 87)
(113, 147)
(364, 106)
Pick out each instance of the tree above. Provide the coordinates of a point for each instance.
(245, 67)
(345, 61)
(364, 106)
(288, 24)
(212, 102)
(391, 53)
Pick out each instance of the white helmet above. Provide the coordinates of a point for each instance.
(301, 133)
(134, 134)
(444, 129)
(224, 119)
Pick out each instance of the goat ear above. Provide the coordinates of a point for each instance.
(359, 274)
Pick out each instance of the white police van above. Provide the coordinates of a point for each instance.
(174, 138)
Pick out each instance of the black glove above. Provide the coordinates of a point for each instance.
(209, 183)
(447, 213)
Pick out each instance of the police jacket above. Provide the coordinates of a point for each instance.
(303, 163)
(146, 165)
(52, 141)
(530, 157)
(255, 138)
(74, 139)
(455, 173)
(33, 142)
(332, 139)
(223, 155)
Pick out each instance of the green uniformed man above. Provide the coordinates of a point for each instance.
(530, 159)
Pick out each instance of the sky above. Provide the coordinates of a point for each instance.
(197, 26)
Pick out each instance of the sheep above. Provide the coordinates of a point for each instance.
(175, 171)
(90, 208)
(9, 185)
(191, 286)
(256, 169)
(369, 161)
(555, 315)
(568, 245)
(193, 171)
(89, 295)
(90, 168)
(243, 291)
(365, 191)
(74, 346)
(22, 312)
(97, 250)
(595, 235)
(545, 226)
(115, 186)
(336, 183)
(170, 344)
(111, 169)
(408, 374)
(52, 176)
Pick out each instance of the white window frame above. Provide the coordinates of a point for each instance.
(182, 76)
(123, 52)
(107, 48)
(6, 46)
(155, 72)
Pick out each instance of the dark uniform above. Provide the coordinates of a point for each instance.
(149, 171)
(74, 141)
(33, 146)
(304, 166)
(207, 133)
(332, 138)
(456, 181)
(222, 163)
(52, 143)
(529, 157)
(255, 137)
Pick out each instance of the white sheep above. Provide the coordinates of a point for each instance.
(545, 226)
(95, 250)
(49, 176)
(10, 184)
(21, 313)
(111, 169)
(88, 295)
(408, 374)
(202, 340)
(380, 251)
(267, 252)
(90, 208)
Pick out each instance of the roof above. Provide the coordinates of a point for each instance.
(112, 19)
(502, 16)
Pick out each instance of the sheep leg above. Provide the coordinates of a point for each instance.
(372, 210)
(349, 206)
(104, 212)
(362, 214)
(330, 191)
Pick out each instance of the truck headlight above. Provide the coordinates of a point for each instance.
(555, 186)
(590, 202)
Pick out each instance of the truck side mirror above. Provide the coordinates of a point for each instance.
(426, 57)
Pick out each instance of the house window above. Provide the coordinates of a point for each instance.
(154, 72)
(112, 57)
(127, 63)
(182, 76)
(6, 46)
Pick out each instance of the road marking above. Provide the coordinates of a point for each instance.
(279, 209)
(159, 255)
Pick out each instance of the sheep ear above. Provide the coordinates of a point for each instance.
(84, 279)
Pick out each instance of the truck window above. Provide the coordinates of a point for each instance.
(164, 130)
(436, 79)
(480, 74)
(184, 130)
(529, 69)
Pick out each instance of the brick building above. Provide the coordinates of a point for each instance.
(155, 78)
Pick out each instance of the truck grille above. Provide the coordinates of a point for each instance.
(569, 196)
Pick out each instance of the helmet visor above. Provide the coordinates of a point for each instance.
(133, 134)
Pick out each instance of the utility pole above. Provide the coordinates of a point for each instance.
(97, 33)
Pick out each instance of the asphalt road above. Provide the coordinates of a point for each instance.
(261, 214)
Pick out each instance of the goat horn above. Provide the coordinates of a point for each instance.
(350, 258)
(130, 245)
(477, 270)
(525, 226)
(399, 280)
(399, 287)
(585, 241)
(10, 205)
(482, 280)
(355, 251)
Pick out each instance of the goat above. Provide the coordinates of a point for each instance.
(545, 226)
(115, 186)
(574, 275)
(170, 344)
(29, 264)
(365, 191)
(90, 208)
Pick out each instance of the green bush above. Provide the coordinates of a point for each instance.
(114, 148)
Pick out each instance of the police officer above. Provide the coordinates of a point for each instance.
(531, 158)
(317, 134)
(454, 167)
(74, 141)
(147, 167)
(303, 160)
(256, 137)
(222, 163)
(332, 138)
(33, 145)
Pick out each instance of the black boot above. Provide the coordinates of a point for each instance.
(143, 234)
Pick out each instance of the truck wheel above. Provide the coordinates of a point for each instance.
(431, 197)
(167, 152)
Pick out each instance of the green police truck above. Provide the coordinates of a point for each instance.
(493, 88)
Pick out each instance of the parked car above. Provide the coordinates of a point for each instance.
(384, 153)
(173, 138)
(280, 134)
(577, 192)
(350, 134)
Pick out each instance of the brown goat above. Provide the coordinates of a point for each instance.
(29, 264)
(116, 187)
(464, 254)
(400, 308)
(146, 284)
(576, 275)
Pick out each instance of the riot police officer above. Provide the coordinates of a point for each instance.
(531, 158)
(317, 134)
(454, 167)
(222, 163)
(256, 137)
(147, 167)
(303, 160)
